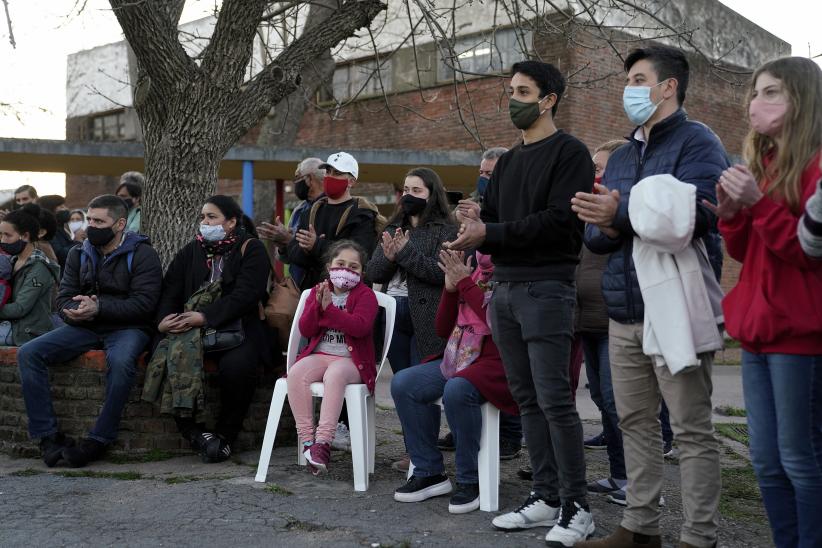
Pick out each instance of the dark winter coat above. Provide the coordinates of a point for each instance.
(425, 279)
(62, 244)
(359, 227)
(244, 288)
(689, 151)
(127, 297)
(32, 298)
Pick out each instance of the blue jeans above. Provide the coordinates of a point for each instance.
(403, 352)
(598, 369)
(415, 390)
(122, 348)
(783, 396)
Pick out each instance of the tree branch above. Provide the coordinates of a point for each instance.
(282, 76)
(227, 54)
(150, 28)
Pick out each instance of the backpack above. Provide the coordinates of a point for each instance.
(380, 221)
(129, 259)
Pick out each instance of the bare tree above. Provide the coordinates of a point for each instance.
(192, 111)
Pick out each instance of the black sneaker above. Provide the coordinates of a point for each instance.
(525, 473)
(216, 450)
(418, 489)
(446, 443)
(51, 448)
(597, 442)
(509, 450)
(465, 499)
(85, 452)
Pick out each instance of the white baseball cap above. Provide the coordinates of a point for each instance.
(342, 162)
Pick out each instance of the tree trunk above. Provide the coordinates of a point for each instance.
(192, 113)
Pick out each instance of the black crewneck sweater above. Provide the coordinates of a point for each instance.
(531, 232)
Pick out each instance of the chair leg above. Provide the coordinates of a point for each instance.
(488, 460)
(274, 414)
(355, 401)
(372, 432)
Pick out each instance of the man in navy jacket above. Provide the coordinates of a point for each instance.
(665, 142)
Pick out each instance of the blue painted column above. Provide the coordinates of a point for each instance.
(248, 188)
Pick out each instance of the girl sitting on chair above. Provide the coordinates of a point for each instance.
(469, 374)
(338, 320)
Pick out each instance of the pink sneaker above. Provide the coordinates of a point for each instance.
(318, 456)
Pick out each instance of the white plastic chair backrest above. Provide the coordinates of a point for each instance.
(385, 301)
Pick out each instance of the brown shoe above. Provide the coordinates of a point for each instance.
(623, 538)
(402, 465)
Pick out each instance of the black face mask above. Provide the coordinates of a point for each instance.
(99, 236)
(63, 216)
(14, 248)
(129, 203)
(301, 189)
(411, 205)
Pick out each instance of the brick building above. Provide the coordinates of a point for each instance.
(415, 104)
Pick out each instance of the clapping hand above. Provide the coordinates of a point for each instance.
(456, 267)
(391, 245)
(739, 184)
(308, 238)
(323, 292)
(471, 235)
(276, 232)
(468, 210)
(85, 311)
(726, 208)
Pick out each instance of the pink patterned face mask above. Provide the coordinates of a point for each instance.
(342, 278)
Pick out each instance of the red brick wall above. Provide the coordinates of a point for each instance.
(78, 388)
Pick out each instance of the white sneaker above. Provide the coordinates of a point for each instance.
(342, 439)
(575, 524)
(534, 512)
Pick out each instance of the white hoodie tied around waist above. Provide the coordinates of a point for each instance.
(681, 295)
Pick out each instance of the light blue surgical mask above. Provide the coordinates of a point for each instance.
(636, 100)
(212, 233)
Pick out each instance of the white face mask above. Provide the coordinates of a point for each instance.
(74, 226)
(212, 233)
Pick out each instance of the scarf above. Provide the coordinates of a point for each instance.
(465, 342)
(220, 247)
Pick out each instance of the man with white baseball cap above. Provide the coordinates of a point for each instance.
(335, 216)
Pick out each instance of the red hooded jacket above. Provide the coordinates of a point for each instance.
(776, 307)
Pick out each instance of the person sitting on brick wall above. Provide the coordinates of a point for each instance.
(225, 249)
(33, 277)
(107, 297)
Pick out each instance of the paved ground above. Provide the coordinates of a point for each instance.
(183, 502)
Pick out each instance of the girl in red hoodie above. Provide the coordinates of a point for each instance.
(338, 320)
(775, 310)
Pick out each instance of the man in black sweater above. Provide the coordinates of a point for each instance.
(527, 226)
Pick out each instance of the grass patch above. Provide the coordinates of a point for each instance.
(175, 480)
(278, 490)
(732, 343)
(740, 498)
(155, 455)
(124, 476)
(730, 411)
(26, 473)
(736, 432)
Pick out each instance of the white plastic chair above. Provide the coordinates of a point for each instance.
(488, 458)
(358, 400)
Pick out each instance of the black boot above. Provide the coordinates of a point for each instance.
(87, 451)
(51, 448)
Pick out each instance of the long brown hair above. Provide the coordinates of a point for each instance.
(801, 130)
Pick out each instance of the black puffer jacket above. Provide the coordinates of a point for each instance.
(127, 296)
(425, 279)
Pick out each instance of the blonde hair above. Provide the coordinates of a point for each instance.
(610, 146)
(801, 130)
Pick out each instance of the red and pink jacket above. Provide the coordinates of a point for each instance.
(356, 322)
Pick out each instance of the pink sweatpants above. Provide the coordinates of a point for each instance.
(335, 373)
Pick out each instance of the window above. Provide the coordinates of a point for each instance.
(487, 53)
(359, 78)
(108, 127)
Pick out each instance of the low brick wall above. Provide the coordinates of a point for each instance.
(78, 388)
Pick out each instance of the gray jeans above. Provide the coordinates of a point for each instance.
(532, 323)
